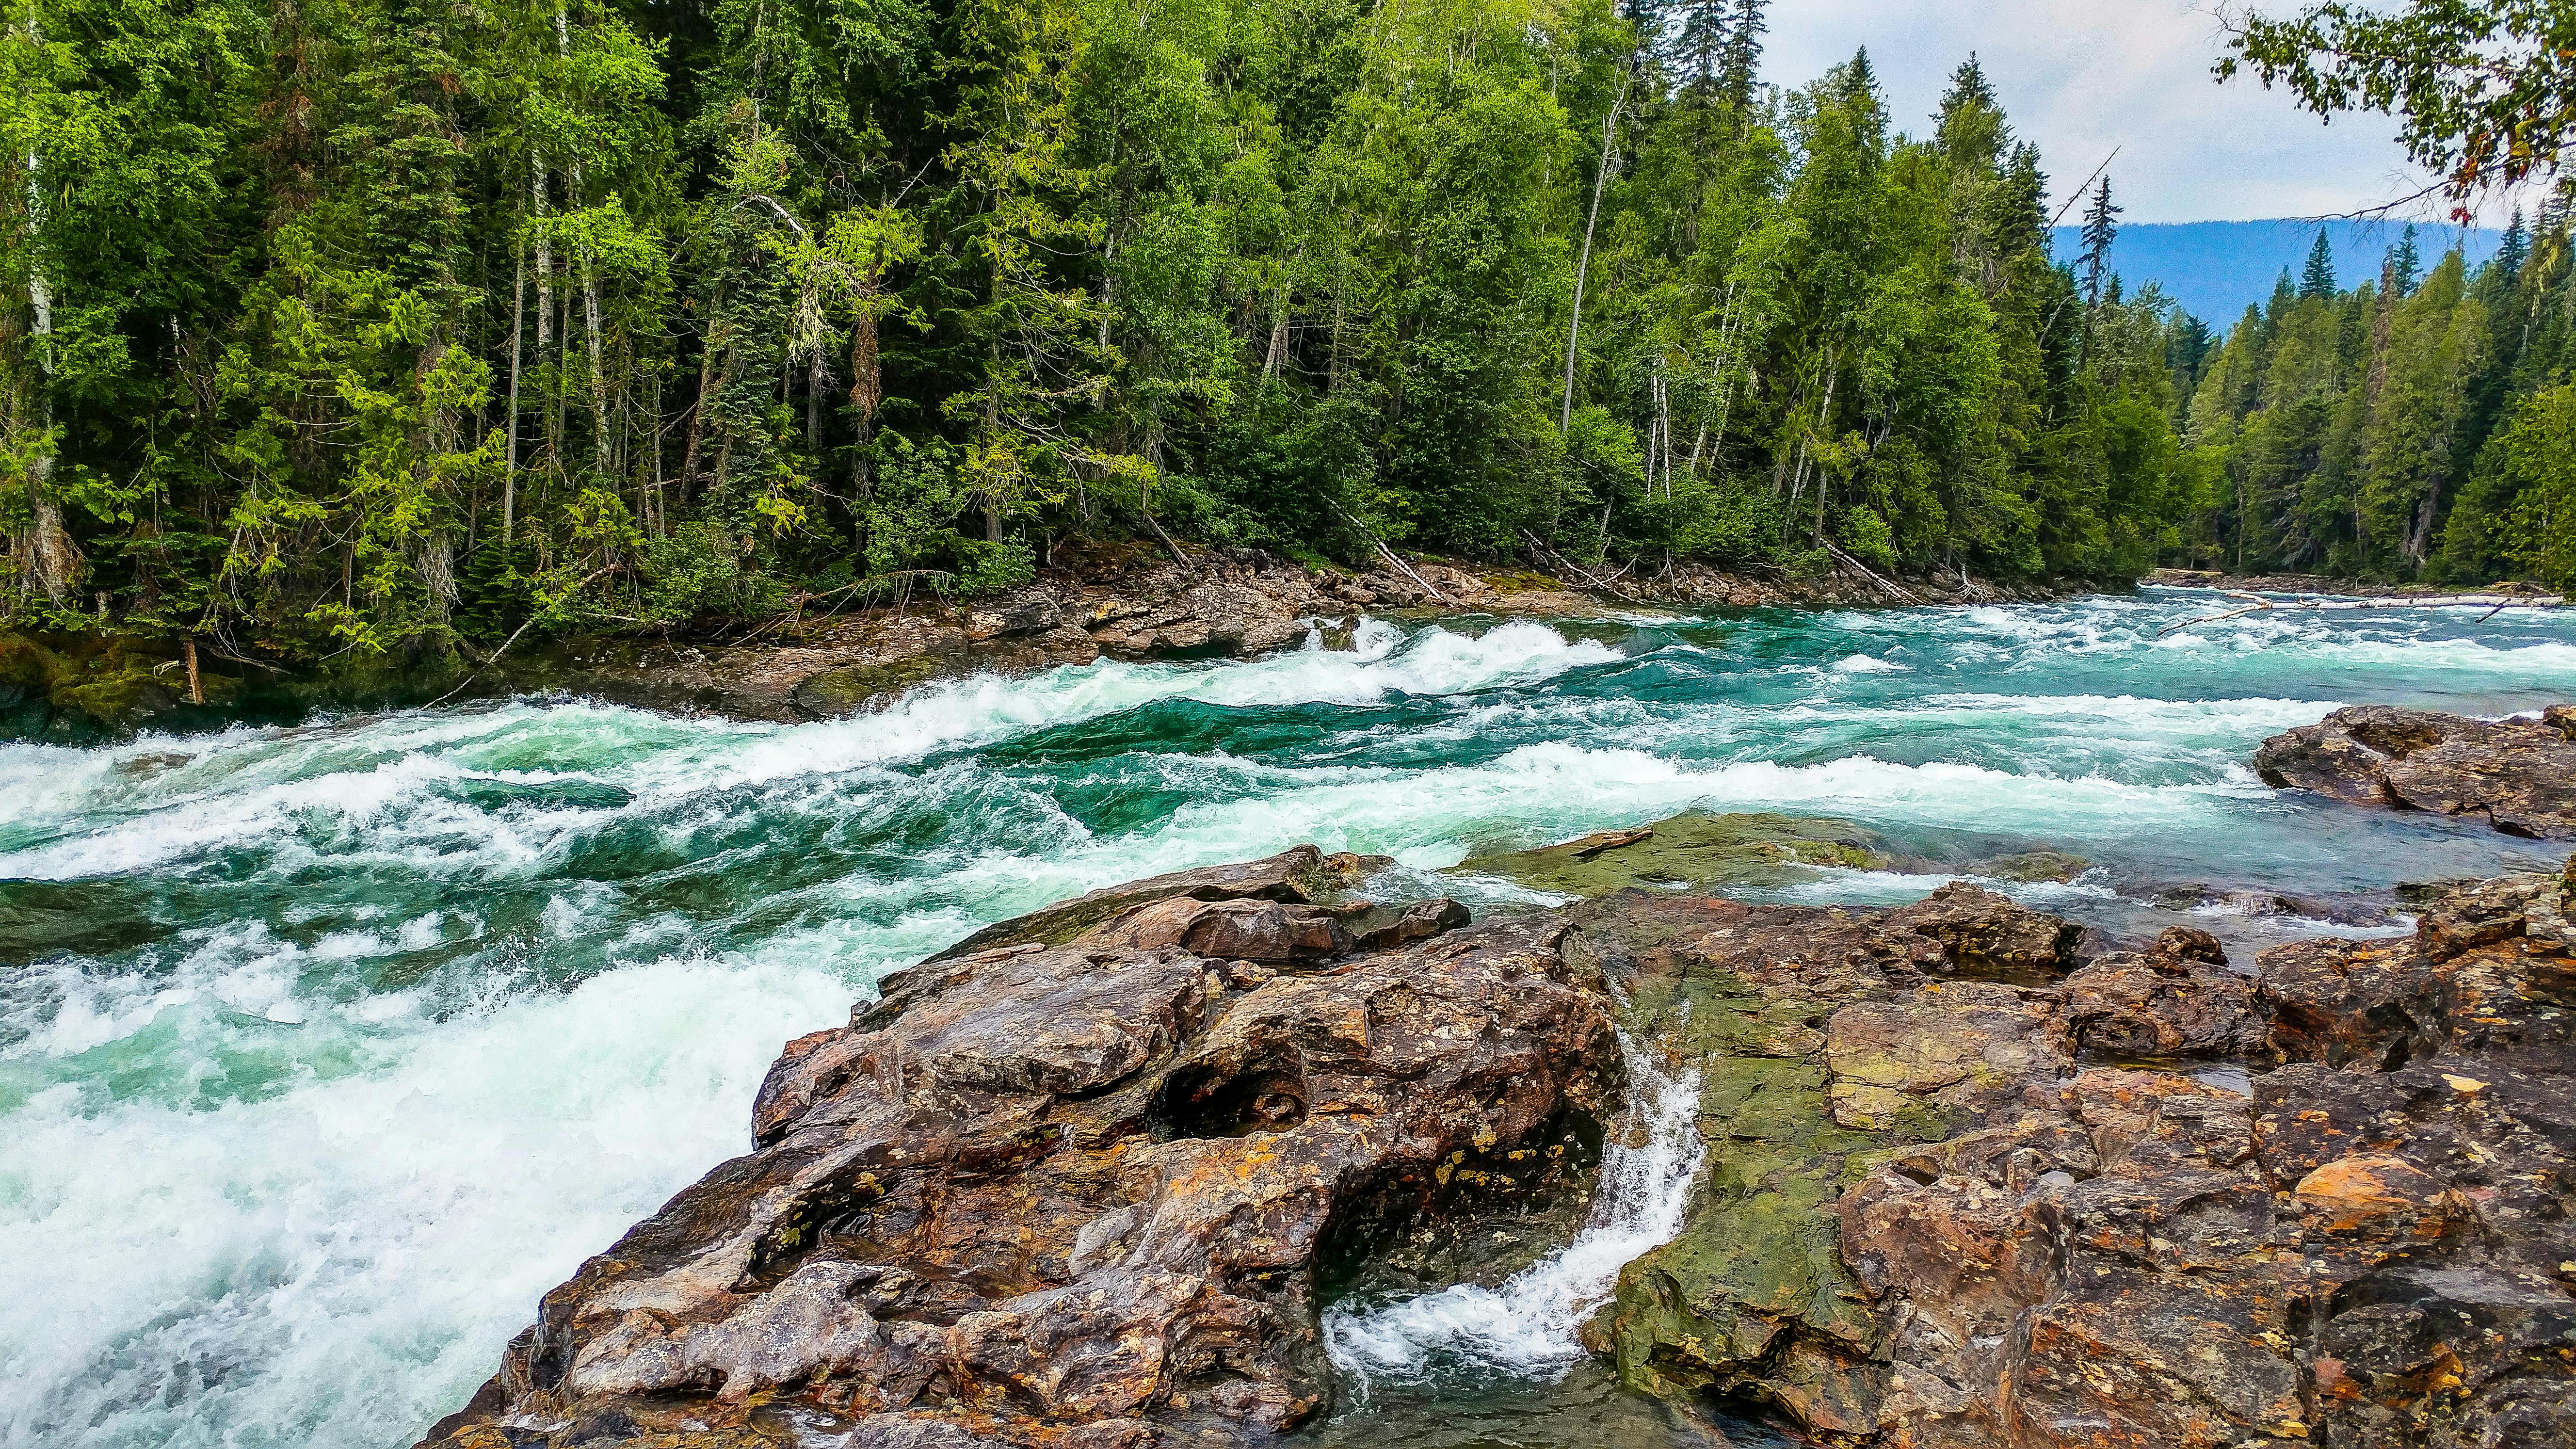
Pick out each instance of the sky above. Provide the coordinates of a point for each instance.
(2080, 77)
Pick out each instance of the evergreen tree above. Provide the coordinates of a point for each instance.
(2511, 249)
(2404, 263)
(2101, 228)
(1739, 59)
(2318, 278)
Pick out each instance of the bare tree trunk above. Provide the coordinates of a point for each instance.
(47, 546)
(707, 353)
(603, 457)
(814, 403)
(545, 271)
(866, 391)
(1583, 259)
(510, 469)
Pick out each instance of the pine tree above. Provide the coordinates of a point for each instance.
(1739, 60)
(2405, 263)
(2511, 251)
(1971, 130)
(2101, 228)
(1699, 43)
(2318, 280)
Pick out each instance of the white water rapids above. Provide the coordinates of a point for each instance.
(1527, 1324)
(325, 1050)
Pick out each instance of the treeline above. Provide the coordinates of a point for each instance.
(338, 323)
(2418, 426)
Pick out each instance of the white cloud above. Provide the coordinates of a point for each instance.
(2080, 77)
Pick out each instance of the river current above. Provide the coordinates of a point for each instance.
(325, 1050)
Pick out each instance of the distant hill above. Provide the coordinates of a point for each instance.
(2216, 269)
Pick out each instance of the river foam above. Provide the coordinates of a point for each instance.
(327, 1048)
(1527, 1324)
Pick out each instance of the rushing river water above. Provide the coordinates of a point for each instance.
(325, 1050)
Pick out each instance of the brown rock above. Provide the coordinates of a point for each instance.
(2520, 773)
(1050, 1193)
(1303, 875)
(2178, 1001)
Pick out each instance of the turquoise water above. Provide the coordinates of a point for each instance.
(325, 1050)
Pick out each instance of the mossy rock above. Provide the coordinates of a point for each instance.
(1696, 849)
(77, 687)
(2034, 865)
(837, 692)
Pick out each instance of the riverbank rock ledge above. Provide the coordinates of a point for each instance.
(2154, 1202)
(2520, 773)
(1078, 1193)
(1079, 1187)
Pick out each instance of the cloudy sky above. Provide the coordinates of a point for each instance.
(2082, 76)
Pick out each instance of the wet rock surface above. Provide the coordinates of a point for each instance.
(1696, 849)
(1084, 1184)
(2519, 773)
(1080, 1193)
(1954, 1212)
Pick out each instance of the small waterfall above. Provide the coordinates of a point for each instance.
(1527, 1325)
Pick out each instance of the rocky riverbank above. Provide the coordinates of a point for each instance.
(1081, 1180)
(837, 656)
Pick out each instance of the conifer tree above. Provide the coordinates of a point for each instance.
(2318, 278)
(1739, 60)
(2405, 263)
(2101, 228)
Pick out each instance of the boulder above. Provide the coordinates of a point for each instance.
(2177, 1001)
(1695, 849)
(1302, 875)
(1082, 1187)
(2519, 773)
(1059, 1192)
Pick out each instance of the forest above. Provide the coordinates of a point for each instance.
(2419, 425)
(337, 325)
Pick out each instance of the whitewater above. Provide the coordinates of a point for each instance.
(324, 1050)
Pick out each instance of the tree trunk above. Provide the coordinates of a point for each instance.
(545, 271)
(510, 468)
(708, 351)
(1583, 259)
(47, 546)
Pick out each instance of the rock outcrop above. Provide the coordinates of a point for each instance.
(1080, 1193)
(2519, 773)
(1956, 1212)
(1080, 1186)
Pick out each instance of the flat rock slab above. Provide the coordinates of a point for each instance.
(2519, 773)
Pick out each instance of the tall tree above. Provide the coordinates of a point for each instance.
(2101, 229)
(2317, 278)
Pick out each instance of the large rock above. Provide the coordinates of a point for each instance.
(1300, 875)
(2519, 773)
(1055, 1193)
(1696, 849)
(1079, 1190)
(1948, 1212)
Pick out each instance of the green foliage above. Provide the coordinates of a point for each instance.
(355, 323)
(2483, 87)
(2389, 431)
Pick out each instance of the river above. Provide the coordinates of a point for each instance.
(325, 1050)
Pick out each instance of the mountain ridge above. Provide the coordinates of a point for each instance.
(2216, 269)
